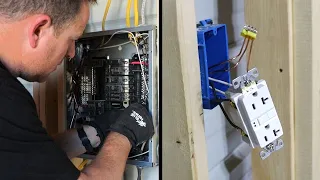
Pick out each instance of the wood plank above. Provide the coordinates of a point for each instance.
(307, 88)
(51, 104)
(273, 56)
(46, 99)
(184, 147)
(61, 76)
(36, 96)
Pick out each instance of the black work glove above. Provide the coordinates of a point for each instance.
(105, 120)
(134, 122)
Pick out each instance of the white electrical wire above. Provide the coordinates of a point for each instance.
(138, 155)
(219, 81)
(117, 32)
(141, 64)
(113, 46)
(219, 91)
(143, 8)
(74, 111)
(73, 117)
(143, 145)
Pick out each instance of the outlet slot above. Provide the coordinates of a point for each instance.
(275, 132)
(264, 100)
(266, 138)
(255, 94)
(267, 126)
(254, 106)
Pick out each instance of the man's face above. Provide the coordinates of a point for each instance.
(51, 49)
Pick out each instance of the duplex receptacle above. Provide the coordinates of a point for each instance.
(257, 102)
(255, 114)
(257, 107)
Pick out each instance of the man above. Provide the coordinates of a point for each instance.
(35, 36)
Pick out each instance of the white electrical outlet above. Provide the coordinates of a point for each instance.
(259, 110)
(255, 113)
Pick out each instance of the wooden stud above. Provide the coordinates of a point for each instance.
(184, 146)
(273, 56)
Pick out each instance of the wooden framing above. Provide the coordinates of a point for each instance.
(46, 99)
(307, 88)
(286, 56)
(273, 56)
(183, 139)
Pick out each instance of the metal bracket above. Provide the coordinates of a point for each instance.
(247, 82)
(270, 148)
(244, 80)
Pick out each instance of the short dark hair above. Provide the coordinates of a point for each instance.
(61, 12)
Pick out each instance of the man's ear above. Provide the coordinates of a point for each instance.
(39, 26)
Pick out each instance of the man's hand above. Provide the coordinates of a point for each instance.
(134, 122)
(127, 129)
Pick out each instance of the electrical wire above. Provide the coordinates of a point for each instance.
(219, 91)
(238, 62)
(245, 41)
(139, 173)
(117, 32)
(224, 111)
(143, 17)
(73, 117)
(228, 119)
(117, 45)
(136, 13)
(143, 145)
(128, 13)
(105, 14)
(249, 56)
(138, 155)
(83, 164)
(141, 63)
(219, 81)
(113, 46)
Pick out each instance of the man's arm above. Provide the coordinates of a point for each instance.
(132, 127)
(110, 162)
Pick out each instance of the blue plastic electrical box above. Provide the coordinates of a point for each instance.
(213, 49)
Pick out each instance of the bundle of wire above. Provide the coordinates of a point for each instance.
(136, 13)
(249, 36)
(238, 58)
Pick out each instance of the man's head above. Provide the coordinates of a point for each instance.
(35, 36)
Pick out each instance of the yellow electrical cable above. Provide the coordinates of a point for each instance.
(81, 166)
(105, 14)
(128, 13)
(136, 13)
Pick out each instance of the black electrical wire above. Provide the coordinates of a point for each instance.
(223, 110)
(139, 173)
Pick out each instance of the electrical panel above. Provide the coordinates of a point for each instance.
(111, 70)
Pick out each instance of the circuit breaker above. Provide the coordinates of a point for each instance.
(111, 70)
